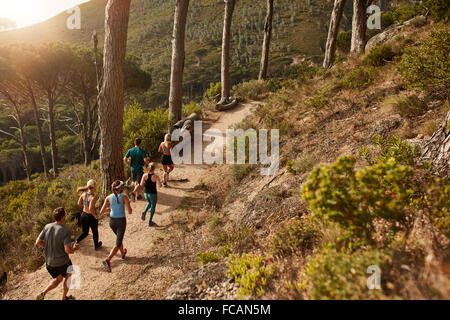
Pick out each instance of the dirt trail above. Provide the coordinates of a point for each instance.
(142, 269)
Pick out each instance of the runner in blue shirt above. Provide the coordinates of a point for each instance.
(137, 158)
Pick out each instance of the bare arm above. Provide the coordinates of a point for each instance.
(80, 201)
(39, 243)
(157, 180)
(126, 201)
(160, 148)
(144, 178)
(69, 249)
(105, 205)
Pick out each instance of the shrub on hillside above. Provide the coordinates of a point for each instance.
(191, 108)
(354, 199)
(405, 13)
(213, 90)
(359, 78)
(427, 66)
(398, 149)
(439, 9)
(304, 163)
(240, 171)
(379, 56)
(251, 89)
(318, 101)
(343, 275)
(251, 272)
(344, 40)
(409, 106)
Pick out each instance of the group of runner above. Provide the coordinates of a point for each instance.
(55, 238)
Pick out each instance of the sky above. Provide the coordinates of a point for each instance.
(28, 12)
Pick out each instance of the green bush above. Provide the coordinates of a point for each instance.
(409, 106)
(359, 78)
(240, 171)
(354, 199)
(439, 9)
(208, 257)
(296, 236)
(251, 272)
(340, 276)
(318, 101)
(192, 107)
(344, 40)
(150, 126)
(251, 89)
(405, 13)
(398, 149)
(304, 163)
(379, 55)
(213, 91)
(387, 19)
(427, 66)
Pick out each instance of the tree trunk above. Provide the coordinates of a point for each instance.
(437, 149)
(110, 115)
(226, 39)
(178, 55)
(266, 43)
(51, 126)
(39, 128)
(359, 26)
(336, 16)
(24, 146)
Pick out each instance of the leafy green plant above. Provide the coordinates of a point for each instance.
(427, 66)
(251, 89)
(296, 236)
(406, 106)
(396, 148)
(359, 78)
(404, 13)
(343, 41)
(208, 257)
(379, 55)
(191, 108)
(240, 171)
(354, 199)
(343, 275)
(318, 101)
(213, 90)
(439, 9)
(302, 164)
(251, 272)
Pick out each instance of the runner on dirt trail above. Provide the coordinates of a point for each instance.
(88, 218)
(117, 220)
(166, 160)
(137, 158)
(149, 181)
(56, 242)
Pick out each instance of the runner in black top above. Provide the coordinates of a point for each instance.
(149, 181)
(166, 160)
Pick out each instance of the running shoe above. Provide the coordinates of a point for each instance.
(70, 298)
(151, 224)
(40, 296)
(124, 254)
(143, 216)
(107, 265)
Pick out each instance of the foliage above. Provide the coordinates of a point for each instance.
(404, 13)
(213, 90)
(191, 108)
(149, 126)
(304, 163)
(251, 272)
(240, 171)
(438, 202)
(296, 236)
(343, 41)
(354, 199)
(340, 275)
(439, 9)
(208, 257)
(427, 66)
(406, 106)
(379, 55)
(251, 89)
(359, 78)
(318, 101)
(398, 149)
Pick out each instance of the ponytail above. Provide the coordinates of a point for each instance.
(116, 189)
